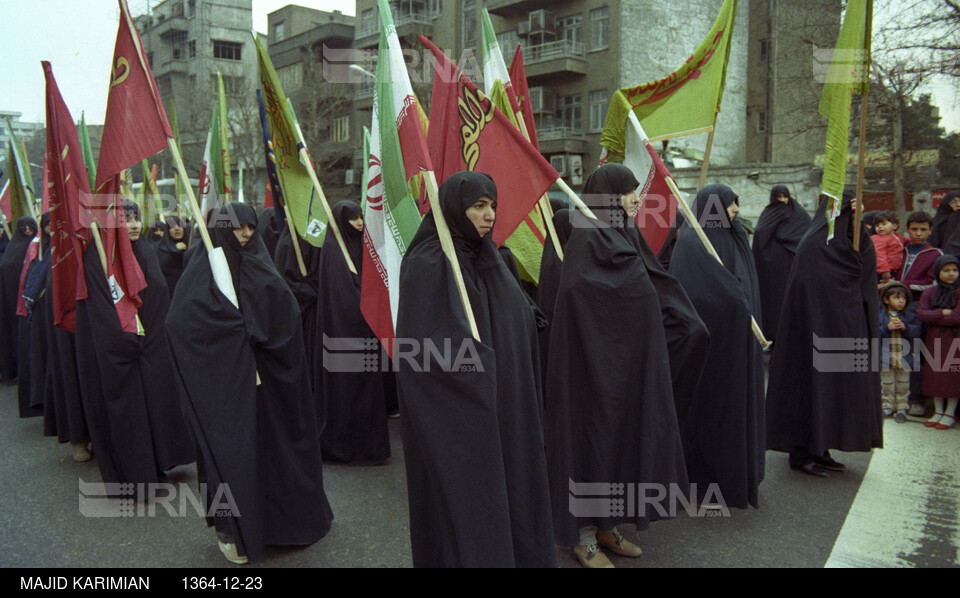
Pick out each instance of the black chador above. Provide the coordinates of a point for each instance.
(610, 410)
(831, 294)
(723, 435)
(775, 240)
(170, 251)
(267, 228)
(11, 265)
(32, 339)
(550, 266)
(471, 421)
(259, 440)
(356, 423)
(304, 288)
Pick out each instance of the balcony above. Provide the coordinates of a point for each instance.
(513, 8)
(410, 24)
(560, 58)
(561, 140)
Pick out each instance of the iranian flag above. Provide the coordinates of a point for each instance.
(398, 153)
(211, 186)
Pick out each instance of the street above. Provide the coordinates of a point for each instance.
(899, 507)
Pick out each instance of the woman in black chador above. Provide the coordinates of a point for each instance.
(356, 426)
(610, 411)
(471, 422)
(724, 433)
(245, 385)
(32, 340)
(11, 265)
(304, 287)
(171, 249)
(779, 230)
(818, 400)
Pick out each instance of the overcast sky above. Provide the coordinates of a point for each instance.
(77, 37)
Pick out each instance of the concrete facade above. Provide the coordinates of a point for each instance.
(21, 129)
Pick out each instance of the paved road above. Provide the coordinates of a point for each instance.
(898, 507)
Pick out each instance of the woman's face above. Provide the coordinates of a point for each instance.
(630, 202)
(244, 233)
(357, 223)
(732, 210)
(483, 213)
(783, 198)
(955, 204)
(948, 274)
(176, 231)
(134, 226)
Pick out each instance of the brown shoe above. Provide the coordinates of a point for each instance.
(592, 557)
(618, 544)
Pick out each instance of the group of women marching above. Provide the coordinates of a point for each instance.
(620, 371)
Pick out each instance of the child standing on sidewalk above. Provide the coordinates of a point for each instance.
(938, 309)
(898, 329)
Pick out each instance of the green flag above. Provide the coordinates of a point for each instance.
(87, 152)
(684, 102)
(307, 213)
(19, 192)
(366, 167)
(848, 73)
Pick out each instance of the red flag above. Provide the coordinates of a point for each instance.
(467, 132)
(518, 76)
(5, 202)
(268, 198)
(33, 250)
(658, 206)
(135, 126)
(45, 187)
(68, 183)
(124, 276)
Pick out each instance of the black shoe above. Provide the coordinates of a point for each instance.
(814, 469)
(829, 463)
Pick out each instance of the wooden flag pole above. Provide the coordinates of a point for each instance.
(706, 154)
(296, 240)
(6, 227)
(546, 212)
(857, 201)
(446, 243)
(331, 221)
(574, 198)
(688, 214)
(100, 250)
(194, 206)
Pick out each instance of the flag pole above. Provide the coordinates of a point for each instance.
(706, 154)
(695, 224)
(546, 212)
(296, 239)
(6, 227)
(331, 221)
(446, 243)
(573, 197)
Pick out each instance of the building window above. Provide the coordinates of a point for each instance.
(232, 86)
(764, 49)
(177, 9)
(191, 8)
(165, 87)
(291, 77)
(761, 121)
(571, 111)
(192, 48)
(340, 131)
(226, 50)
(600, 28)
(435, 8)
(278, 32)
(571, 28)
(599, 101)
(469, 20)
(368, 21)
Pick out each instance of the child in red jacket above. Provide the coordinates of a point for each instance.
(889, 245)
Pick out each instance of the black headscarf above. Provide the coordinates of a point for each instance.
(171, 258)
(343, 213)
(945, 297)
(11, 265)
(945, 222)
(602, 194)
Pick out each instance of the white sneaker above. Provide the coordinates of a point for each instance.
(229, 550)
(81, 454)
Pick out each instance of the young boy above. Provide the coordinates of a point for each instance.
(917, 273)
(889, 245)
(899, 327)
